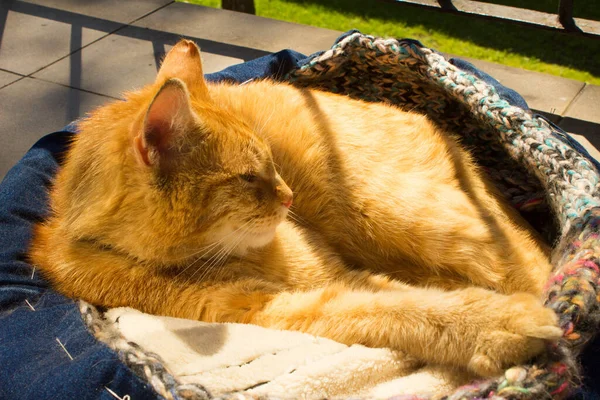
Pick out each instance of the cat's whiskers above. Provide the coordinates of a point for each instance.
(300, 220)
(211, 247)
(257, 122)
(294, 218)
(226, 259)
(204, 270)
(217, 255)
(252, 140)
(266, 122)
(220, 258)
(263, 125)
(200, 250)
(277, 166)
(208, 249)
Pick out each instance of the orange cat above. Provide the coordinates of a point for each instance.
(175, 201)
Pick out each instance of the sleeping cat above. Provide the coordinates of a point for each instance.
(178, 201)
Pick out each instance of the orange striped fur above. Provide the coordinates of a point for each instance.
(175, 202)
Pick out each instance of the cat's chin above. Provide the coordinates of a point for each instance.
(256, 240)
(261, 239)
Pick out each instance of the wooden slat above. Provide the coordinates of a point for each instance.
(521, 16)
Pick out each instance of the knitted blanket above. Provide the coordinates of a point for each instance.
(47, 350)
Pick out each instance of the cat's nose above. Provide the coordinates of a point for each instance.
(288, 203)
(284, 193)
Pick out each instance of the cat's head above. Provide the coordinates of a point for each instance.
(178, 175)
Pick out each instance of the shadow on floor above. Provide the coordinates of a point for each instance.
(78, 22)
(589, 130)
(159, 39)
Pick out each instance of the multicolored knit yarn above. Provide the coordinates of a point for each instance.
(147, 366)
(534, 168)
(532, 165)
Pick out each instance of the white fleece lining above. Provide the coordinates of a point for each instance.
(229, 358)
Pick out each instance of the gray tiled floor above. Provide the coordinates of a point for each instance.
(7, 78)
(110, 66)
(31, 42)
(31, 108)
(587, 105)
(132, 56)
(583, 115)
(121, 11)
(228, 27)
(110, 46)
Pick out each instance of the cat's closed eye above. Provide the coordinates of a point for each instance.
(249, 177)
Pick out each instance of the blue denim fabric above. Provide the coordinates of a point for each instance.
(33, 364)
(274, 66)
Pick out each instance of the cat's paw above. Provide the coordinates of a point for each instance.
(520, 332)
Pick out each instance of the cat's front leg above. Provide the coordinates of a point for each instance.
(473, 328)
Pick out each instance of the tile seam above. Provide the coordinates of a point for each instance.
(123, 26)
(573, 100)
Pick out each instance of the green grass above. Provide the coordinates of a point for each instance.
(501, 42)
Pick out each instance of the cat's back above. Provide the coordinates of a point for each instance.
(312, 126)
(373, 176)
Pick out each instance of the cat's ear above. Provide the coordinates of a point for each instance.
(168, 118)
(184, 62)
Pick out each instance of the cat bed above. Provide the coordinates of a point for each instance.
(55, 347)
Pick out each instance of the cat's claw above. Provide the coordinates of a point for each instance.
(521, 334)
